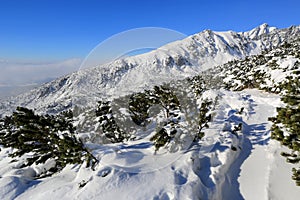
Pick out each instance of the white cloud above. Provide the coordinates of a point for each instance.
(14, 73)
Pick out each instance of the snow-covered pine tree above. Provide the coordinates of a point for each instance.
(166, 98)
(139, 105)
(109, 127)
(204, 118)
(286, 125)
(43, 138)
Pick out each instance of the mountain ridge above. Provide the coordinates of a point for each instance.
(176, 60)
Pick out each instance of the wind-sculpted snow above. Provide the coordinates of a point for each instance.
(129, 171)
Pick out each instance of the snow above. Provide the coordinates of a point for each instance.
(260, 30)
(225, 164)
(265, 170)
(210, 170)
(136, 73)
(281, 187)
(255, 170)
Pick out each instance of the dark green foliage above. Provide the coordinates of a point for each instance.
(139, 108)
(45, 137)
(293, 160)
(296, 176)
(198, 85)
(165, 97)
(285, 154)
(109, 127)
(288, 121)
(161, 138)
(277, 133)
(256, 71)
(171, 126)
(139, 105)
(204, 118)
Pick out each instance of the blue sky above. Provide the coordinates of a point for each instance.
(63, 29)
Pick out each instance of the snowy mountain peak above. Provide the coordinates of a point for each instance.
(260, 30)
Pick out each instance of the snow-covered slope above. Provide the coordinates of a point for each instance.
(236, 158)
(172, 61)
(258, 31)
(211, 169)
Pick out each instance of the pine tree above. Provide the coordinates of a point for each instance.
(204, 118)
(165, 97)
(44, 137)
(286, 125)
(110, 128)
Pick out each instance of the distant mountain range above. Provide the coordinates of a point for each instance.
(176, 60)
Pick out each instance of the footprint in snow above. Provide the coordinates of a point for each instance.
(104, 172)
(179, 178)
